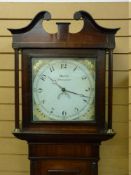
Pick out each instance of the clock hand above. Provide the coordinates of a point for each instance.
(64, 89)
(76, 93)
(55, 82)
(64, 92)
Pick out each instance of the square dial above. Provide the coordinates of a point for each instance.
(63, 89)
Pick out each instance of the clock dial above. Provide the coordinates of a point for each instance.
(63, 90)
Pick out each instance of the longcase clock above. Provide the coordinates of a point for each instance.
(63, 94)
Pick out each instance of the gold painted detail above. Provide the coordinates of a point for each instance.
(38, 114)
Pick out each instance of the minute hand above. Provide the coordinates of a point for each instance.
(76, 93)
(55, 82)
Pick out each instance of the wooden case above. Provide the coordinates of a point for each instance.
(64, 148)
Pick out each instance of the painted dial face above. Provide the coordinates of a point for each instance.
(63, 90)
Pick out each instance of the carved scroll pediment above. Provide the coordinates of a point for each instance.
(91, 35)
